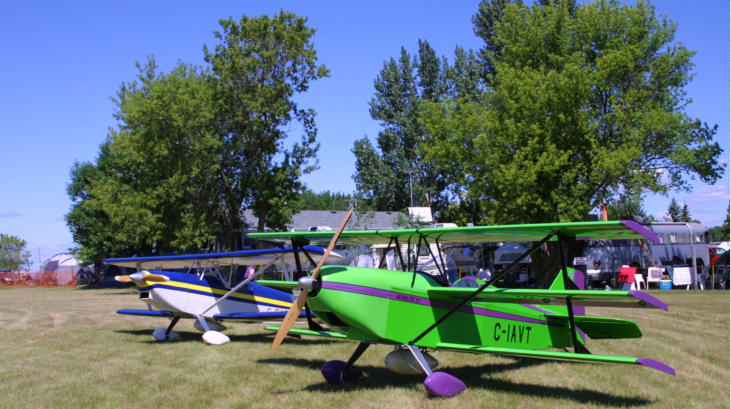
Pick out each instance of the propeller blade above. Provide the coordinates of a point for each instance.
(299, 303)
(144, 276)
(289, 319)
(155, 277)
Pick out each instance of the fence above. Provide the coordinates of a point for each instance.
(59, 278)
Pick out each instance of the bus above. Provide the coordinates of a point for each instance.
(679, 242)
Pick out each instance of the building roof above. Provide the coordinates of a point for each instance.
(331, 219)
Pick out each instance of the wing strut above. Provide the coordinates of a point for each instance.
(443, 269)
(400, 255)
(508, 269)
(383, 260)
(578, 347)
(239, 285)
(297, 262)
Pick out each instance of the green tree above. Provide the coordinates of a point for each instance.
(87, 220)
(13, 254)
(388, 176)
(153, 183)
(489, 14)
(674, 211)
(325, 200)
(685, 214)
(195, 146)
(627, 207)
(587, 102)
(259, 65)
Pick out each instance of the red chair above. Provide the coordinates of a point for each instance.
(627, 275)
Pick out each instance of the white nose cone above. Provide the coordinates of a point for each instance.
(215, 338)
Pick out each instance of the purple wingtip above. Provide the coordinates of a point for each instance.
(443, 384)
(641, 230)
(651, 363)
(649, 299)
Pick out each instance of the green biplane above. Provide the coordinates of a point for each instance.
(415, 311)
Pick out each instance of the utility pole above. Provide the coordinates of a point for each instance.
(411, 189)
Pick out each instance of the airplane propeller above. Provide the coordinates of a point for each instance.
(141, 276)
(299, 303)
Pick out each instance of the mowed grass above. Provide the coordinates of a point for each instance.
(67, 348)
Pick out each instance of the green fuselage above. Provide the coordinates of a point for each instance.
(396, 307)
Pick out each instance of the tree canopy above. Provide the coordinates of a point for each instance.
(195, 146)
(586, 103)
(325, 200)
(13, 254)
(393, 174)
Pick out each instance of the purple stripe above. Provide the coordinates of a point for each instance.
(541, 310)
(632, 225)
(392, 295)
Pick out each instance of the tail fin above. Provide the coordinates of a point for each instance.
(577, 279)
(577, 282)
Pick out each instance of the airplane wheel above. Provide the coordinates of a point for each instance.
(159, 334)
(333, 372)
(443, 384)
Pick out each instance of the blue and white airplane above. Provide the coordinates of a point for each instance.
(204, 293)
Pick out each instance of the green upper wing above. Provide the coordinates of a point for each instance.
(624, 229)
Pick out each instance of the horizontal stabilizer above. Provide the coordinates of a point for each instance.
(149, 313)
(561, 356)
(251, 315)
(602, 328)
(300, 331)
(588, 298)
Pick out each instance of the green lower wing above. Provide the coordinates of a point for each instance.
(282, 285)
(326, 334)
(561, 356)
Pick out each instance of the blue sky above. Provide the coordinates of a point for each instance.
(63, 61)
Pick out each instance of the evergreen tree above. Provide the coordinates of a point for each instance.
(390, 175)
(674, 211)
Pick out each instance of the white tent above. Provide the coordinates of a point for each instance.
(65, 265)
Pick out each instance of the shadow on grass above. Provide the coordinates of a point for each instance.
(264, 338)
(473, 377)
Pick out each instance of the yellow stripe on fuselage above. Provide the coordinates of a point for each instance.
(206, 289)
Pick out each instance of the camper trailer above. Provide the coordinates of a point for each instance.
(680, 245)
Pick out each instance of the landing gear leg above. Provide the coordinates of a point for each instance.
(339, 371)
(436, 383)
(211, 337)
(167, 334)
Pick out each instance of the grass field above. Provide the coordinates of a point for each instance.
(66, 348)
